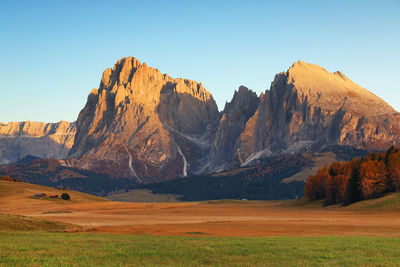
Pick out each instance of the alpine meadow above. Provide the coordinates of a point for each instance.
(200, 133)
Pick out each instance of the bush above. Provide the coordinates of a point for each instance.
(65, 196)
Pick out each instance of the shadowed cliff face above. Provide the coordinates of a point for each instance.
(144, 125)
(51, 140)
(224, 152)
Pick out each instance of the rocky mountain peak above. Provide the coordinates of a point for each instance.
(128, 79)
(241, 100)
(309, 108)
(146, 121)
(119, 75)
(235, 115)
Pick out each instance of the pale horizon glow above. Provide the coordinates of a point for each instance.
(53, 54)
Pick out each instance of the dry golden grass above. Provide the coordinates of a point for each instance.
(10, 222)
(214, 218)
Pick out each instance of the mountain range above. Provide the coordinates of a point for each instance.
(147, 127)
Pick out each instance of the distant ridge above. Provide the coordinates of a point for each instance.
(43, 140)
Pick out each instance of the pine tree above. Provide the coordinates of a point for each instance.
(353, 193)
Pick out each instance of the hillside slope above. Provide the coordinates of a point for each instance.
(18, 198)
(52, 172)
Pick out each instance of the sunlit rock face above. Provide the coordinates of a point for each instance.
(43, 140)
(308, 108)
(145, 125)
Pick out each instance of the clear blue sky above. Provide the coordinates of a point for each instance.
(52, 53)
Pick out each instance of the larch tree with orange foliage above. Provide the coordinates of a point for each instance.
(337, 183)
(315, 187)
(373, 176)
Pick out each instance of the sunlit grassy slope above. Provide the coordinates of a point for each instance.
(388, 202)
(27, 191)
(22, 223)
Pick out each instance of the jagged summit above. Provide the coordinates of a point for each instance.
(232, 123)
(123, 76)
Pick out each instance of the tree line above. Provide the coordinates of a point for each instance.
(50, 172)
(261, 182)
(361, 178)
(8, 178)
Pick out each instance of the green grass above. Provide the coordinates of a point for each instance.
(63, 249)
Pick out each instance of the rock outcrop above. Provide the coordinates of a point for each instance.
(43, 140)
(225, 151)
(144, 125)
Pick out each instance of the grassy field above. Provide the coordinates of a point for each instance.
(63, 249)
(214, 233)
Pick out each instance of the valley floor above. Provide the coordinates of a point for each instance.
(213, 218)
(87, 231)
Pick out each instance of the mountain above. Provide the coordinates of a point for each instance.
(307, 109)
(43, 140)
(144, 125)
(147, 127)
